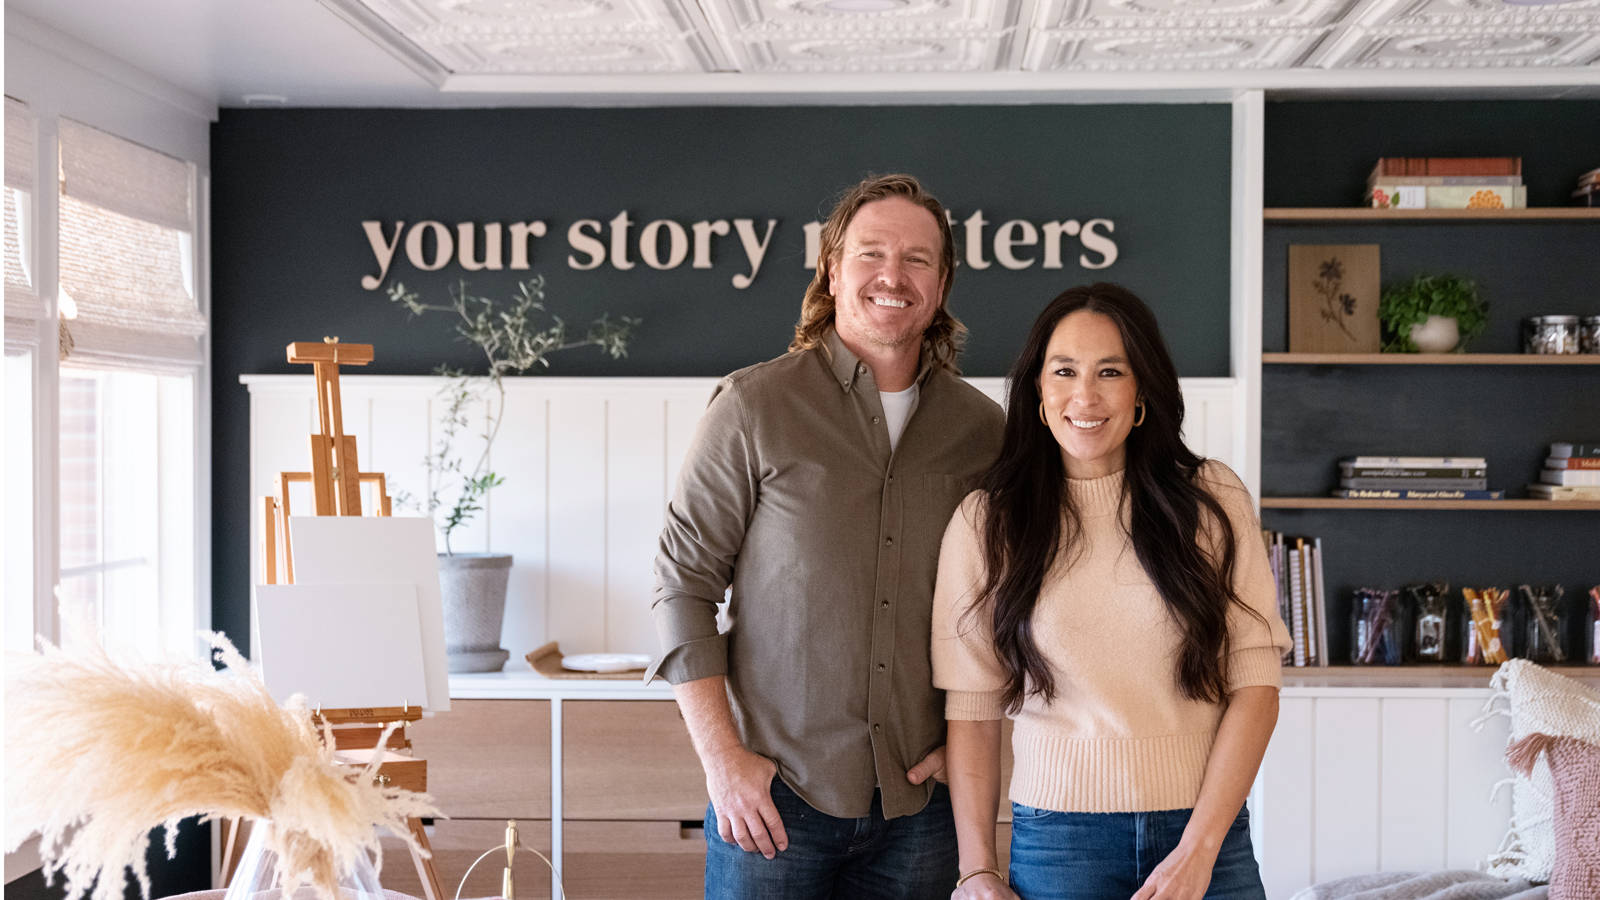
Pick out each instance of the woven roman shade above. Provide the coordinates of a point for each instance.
(23, 310)
(127, 255)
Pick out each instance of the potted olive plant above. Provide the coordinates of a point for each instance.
(514, 340)
(1431, 314)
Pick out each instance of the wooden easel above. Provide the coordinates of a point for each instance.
(336, 480)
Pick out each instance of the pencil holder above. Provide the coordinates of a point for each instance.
(1377, 628)
(1486, 626)
(1542, 634)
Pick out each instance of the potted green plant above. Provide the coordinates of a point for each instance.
(1431, 314)
(514, 340)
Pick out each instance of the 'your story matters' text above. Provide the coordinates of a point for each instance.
(665, 244)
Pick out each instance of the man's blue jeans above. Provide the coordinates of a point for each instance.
(1090, 856)
(910, 857)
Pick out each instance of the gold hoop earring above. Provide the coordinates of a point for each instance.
(1041, 415)
(1139, 419)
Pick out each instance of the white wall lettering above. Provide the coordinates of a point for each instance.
(813, 232)
(754, 251)
(1052, 240)
(650, 244)
(579, 239)
(467, 238)
(1006, 238)
(1096, 242)
(443, 246)
(975, 223)
(666, 244)
(382, 248)
(702, 241)
(521, 235)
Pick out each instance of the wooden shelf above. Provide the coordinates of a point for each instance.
(1498, 505)
(1413, 676)
(1431, 359)
(1363, 214)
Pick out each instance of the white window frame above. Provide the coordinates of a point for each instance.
(59, 77)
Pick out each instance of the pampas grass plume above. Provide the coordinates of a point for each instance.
(100, 751)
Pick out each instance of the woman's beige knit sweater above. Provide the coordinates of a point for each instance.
(1120, 736)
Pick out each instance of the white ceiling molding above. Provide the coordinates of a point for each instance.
(496, 45)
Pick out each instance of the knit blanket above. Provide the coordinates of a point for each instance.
(1453, 885)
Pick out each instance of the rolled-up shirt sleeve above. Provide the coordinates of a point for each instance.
(705, 528)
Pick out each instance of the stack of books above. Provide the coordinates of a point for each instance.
(1447, 182)
(1415, 478)
(1297, 571)
(1572, 472)
(1588, 192)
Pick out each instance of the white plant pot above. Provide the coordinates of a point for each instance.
(1438, 334)
(473, 588)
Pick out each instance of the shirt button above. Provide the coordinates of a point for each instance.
(861, 368)
(874, 420)
(884, 604)
(889, 541)
(876, 728)
(881, 667)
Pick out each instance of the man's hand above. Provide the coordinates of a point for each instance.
(740, 785)
(931, 766)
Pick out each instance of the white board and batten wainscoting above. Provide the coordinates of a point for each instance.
(1359, 777)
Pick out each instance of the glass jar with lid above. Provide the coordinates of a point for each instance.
(1550, 335)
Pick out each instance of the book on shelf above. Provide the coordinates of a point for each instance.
(1296, 564)
(1404, 195)
(1575, 448)
(1417, 484)
(1572, 462)
(1563, 492)
(1392, 166)
(1319, 606)
(1415, 494)
(1442, 180)
(1297, 604)
(1347, 470)
(1572, 477)
(1421, 462)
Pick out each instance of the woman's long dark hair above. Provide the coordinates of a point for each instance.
(1030, 517)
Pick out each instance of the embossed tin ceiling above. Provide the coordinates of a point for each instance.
(486, 39)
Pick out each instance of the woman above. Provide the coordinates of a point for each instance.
(1109, 590)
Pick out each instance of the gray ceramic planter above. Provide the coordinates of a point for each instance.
(473, 588)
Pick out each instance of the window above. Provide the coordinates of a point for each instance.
(103, 389)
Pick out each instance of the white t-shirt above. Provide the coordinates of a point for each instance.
(896, 410)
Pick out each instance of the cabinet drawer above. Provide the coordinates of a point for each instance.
(488, 758)
(456, 843)
(633, 860)
(629, 760)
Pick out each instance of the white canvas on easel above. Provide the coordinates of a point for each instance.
(342, 646)
(374, 550)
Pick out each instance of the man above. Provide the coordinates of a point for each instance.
(818, 486)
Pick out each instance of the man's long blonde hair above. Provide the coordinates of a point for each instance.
(945, 335)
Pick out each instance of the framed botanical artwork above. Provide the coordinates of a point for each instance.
(1333, 298)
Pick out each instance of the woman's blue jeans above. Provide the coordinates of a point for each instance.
(1090, 856)
(911, 857)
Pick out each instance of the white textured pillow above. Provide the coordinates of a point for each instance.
(1539, 702)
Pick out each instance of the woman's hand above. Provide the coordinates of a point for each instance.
(984, 887)
(1183, 875)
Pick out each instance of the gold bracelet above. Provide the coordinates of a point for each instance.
(976, 872)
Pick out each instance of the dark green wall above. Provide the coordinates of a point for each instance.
(290, 189)
(1319, 154)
